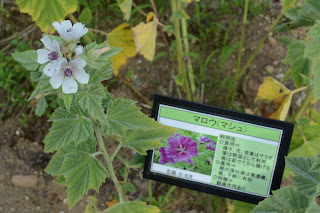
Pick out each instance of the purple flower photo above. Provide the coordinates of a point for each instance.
(208, 142)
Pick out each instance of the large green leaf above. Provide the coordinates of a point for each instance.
(56, 161)
(143, 140)
(123, 114)
(42, 87)
(132, 207)
(67, 127)
(91, 101)
(287, 199)
(316, 164)
(316, 80)
(305, 181)
(125, 6)
(311, 9)
(82, 172)
(286, 4)
(45, 12)
(28, 59)
(312, 46)
(101, 74)
(41, 106)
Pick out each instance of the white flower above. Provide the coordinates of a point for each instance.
(51, 54)
(79, 50)
(67, 75)
(69, 32)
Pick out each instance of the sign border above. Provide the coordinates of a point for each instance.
(286, 127)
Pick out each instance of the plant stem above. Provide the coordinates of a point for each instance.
(243, 30)
(115, 152)
(187, 49)
(299, 89)
(303, 106)
(74, 20)
(252, 57)
(122, 195)
(96, 153)
(175, 6)
(150, 190)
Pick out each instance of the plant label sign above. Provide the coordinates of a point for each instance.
(219, 151)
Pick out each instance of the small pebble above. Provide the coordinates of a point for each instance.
(272, 41)
(139, 61)
(24, 180)
(279, 76)
(65, 201)
(17, 133)
(38, 207)
(269, 69)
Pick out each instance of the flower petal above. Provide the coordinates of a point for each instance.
(43, 56)
(77, 63)
(52, 68)
(79, 50)
(56, 46)
(79, 30)
(63, 64)
(69, 85)
(57, 79)
(62, 29)
(47, 43)
(81, 76)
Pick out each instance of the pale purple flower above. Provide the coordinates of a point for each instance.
(69, 32)
(68, 74)
(208, 142)
(50, 54)
(181, 149)
(79, 50)
(164, 157)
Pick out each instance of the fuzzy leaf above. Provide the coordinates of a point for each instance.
(316, 81)
(82, 172)
(145, 35)
(300, 68)
(67, 127)
(125, 6)
(137, 161)
(101, 74)
(41, 106)
(45, 12)
(132, 207)
(143, 140)
(311, 9)
(276, 94)
(129, 187)
(91, 101)
(304, 180)
(85, 16)
(123, 114)
(286, 4)
(42, 87)
(121, 36)
(28, 59)
(313, 45)
(67, 99)
(287, 199)
(56, 161)
(316, 165)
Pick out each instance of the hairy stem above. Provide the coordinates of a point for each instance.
(252, 57)
(175, 6)
(299, 90)
(74, 20)
(116, 152)
(303, 106)
(122, 195)
(243, 30)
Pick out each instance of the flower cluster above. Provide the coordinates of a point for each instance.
(63, 63)
(181, 148)
(208, 142)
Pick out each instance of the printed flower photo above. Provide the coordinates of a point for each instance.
(188, 150)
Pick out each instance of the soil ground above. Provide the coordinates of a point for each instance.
(21, 147)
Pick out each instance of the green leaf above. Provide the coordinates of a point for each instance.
(67, 100)
(316, 81)
(41, 106)
(28, 59)
(316, 164)
(122, 115)
(143, 140)
(67, 127)
(288, 40)
(179, 79)
(61, 180)
(242, 207)
(137, 161)
(56, 161)
(85, 16)
(295, 52)
(287, 199)
(311, 9)
(82, 172)
(91, 101)
(129, 187)
(286, 4)
(226, 53)
(125, 6)
(302, 67)
(132, 207)
(42, 87)
(308, 149)
(35, 75)
(101, 74)
(45, 12)
(180, 14)
(312, 46)
(305, 181)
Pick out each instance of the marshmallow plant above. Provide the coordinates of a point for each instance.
(87, 114)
